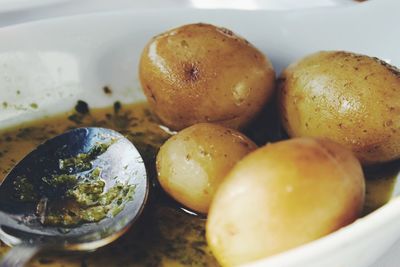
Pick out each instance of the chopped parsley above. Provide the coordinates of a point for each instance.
(81, 197)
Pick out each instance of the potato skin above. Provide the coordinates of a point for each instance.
(202, 73)
(192, 164)
(350, 98)
(281, 196)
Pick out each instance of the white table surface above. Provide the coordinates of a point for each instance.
(20, 11)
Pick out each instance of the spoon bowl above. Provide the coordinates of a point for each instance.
(20, 224)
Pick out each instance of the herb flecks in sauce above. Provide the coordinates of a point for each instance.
(34, 105)
(82, 107)
(83, 161)
(24, 190)
(107, 90)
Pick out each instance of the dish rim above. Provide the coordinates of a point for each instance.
(379, 218)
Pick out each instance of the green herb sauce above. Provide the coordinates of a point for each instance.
(24, 190)
(84, 199)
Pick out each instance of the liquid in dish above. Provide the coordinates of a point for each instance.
(167, 236)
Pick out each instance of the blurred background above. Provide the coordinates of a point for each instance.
(18, 11)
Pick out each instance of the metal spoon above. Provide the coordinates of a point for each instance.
(19, 222)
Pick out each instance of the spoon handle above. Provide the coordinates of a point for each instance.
(20, 255)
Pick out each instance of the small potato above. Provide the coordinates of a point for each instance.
(281, 196)
(202, 73)
(349, 98)
(192, 164)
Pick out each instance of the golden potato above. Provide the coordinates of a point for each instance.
(349, 98)
(192, 164)
(281, 196)
(202, 73)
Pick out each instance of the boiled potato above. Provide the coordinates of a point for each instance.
(281, 196)
(349, 98)
(202, 73)
(192, 164)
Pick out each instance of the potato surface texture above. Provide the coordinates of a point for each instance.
(202, 73)
(192, 164)
(349, 98)
(281, 196)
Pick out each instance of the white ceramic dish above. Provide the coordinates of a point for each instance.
(55, 62)
(268, 4)
(16, 5)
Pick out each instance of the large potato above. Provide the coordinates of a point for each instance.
(281, 196)
(192, 164)
(202, 73)
(349, 98)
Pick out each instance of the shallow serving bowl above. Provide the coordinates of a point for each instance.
(53, 63)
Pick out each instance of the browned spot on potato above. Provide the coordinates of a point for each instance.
(388, 123)
(222, 119)
(231, 229)
(151, 93)
(226, 31)
(371, 146)
(191, 72)
(395, 71)
(347, 83)
(245, 144)
(184, 43)
(200, 24)
(204, 153)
